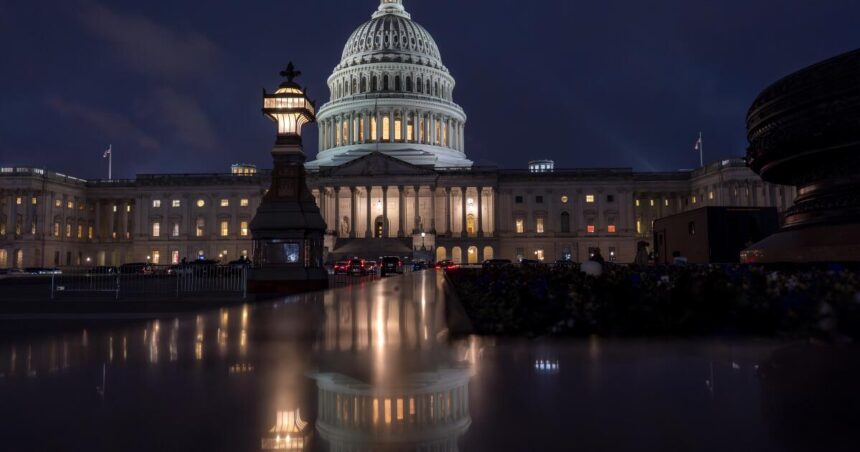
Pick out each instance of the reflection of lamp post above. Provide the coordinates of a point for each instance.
(288, 228)
(423, 235)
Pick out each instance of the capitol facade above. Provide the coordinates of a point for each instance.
(391, 177)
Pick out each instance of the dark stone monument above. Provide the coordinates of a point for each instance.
(288, 229)
(804, 131)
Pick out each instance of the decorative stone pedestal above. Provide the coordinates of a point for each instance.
(805, 131)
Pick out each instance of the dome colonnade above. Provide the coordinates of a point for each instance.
(391, 93)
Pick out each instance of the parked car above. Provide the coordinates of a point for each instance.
(497, 263)
(417, 266)
(391, 265)
(341, 268)
(530, 263)
(357, 267)
(239, 264)
(136, 269)
(372, 267)
(103, 270)
(43, 271)
(446, 265)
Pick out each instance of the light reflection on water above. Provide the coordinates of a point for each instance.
(371, 367)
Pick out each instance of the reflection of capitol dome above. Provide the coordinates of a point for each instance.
(392, 94)
(426, 411)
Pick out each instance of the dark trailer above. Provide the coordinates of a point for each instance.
(712, 234)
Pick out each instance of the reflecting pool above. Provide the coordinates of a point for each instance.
(372, 368)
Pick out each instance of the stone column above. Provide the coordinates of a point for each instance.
(353, 203)
(337, 211)
(495, 213)
(463, 231)
(416, 208)
(322, 206)
(27, 216)
(351, 131)
(10, 218)
(480, 216)
(433, 209)
(401, 217)
(378, 127)
(448, 209)
(97, 225)
(111, 220)
(369, 232)
(385, 221)
(391, 127)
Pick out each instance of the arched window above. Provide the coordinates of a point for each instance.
(436, 89)
(385, 83)
(397, 86)
(418, 85)
(354, 86)
(374, 84)
(441, 254)
(408, 84)
(565, 223)
(363, 84)
(427, 87)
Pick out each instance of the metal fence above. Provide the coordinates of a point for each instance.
(163, 281)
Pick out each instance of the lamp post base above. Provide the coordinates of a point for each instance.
(286, 281)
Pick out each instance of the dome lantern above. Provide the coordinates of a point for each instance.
(391, 7)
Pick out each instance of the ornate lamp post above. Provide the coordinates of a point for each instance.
(288, 229)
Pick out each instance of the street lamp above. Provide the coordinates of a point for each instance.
(423, 235)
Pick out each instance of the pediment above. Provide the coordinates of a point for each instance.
(378, 164)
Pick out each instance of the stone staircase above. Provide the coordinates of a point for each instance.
(371, 248)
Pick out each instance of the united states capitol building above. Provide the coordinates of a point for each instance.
(391, 177)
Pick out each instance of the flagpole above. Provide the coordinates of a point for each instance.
(701, 151)
(110, 163)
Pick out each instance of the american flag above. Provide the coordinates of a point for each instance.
(108, 152)
(699, 143)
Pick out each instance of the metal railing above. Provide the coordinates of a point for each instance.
(162, 281)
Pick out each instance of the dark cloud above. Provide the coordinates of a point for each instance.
(149, 48)
(108, 125)
(183, 117)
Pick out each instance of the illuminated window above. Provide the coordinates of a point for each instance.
(243, 228)
(539, 255)
(410, 129)
(19, 200)
(225, 228)
(611, 229)
(115, 208)
(58, 203)
(225, 203)
(128, 208)
(711, 195)
(243, 203)
(540, 225)
(70, 205)
(156, 229)
(387, 411)
(694, 199)
(80, 231)
(667, 203)
(156, 203)
(591, 229)
(174, 257)
(176, 203)
(520, 225)
(637, 203)
(90, 232)
(34, 201)
(56, 229)
(386, 128)
(200, 225)
(589, 199)
(398, 130)
(638, 226)
(373, 133)
(652, 203)
(564, 199)
(201, 203)
(68, 231)
(175, 231)
(156, 257)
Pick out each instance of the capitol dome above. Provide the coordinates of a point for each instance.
(391, 94)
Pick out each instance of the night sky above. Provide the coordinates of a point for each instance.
(175, 85)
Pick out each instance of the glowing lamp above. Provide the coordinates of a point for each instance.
(289, 107)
